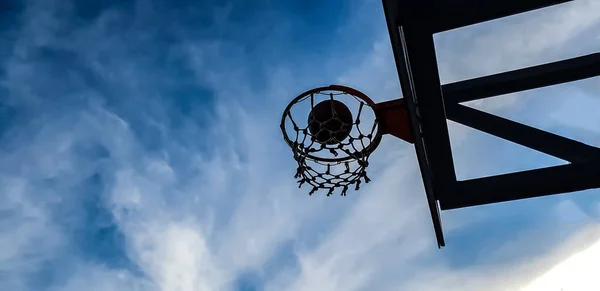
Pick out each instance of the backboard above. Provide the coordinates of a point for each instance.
(411, 26)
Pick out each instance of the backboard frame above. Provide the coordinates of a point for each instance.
(411, 26)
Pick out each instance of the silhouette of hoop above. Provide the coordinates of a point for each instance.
(331, 165)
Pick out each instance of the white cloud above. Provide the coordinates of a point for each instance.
(575, 270)
(98, 278)
(195, 220)
(175, 256)
(28, 240)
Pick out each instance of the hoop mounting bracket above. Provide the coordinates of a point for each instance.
(393, 119)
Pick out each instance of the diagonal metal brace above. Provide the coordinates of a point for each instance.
(555, 145)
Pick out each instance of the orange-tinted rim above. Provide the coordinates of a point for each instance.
(365, 152)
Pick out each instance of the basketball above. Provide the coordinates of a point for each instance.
(330, 122)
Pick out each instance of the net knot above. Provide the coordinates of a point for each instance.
(301, 182)
(330, 191)
(364, 175)
(345, 190)
(298, 172)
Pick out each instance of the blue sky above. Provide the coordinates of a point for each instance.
(140, 150)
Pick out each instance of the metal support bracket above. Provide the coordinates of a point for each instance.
(393, 119)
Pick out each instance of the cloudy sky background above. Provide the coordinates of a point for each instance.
(140, 150)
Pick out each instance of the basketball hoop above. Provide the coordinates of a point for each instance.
(344, 126)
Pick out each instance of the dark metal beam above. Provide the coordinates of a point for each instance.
(531, 137)
(524, 79)
(419, 48)
(526, 184)
(405, 76)
(451, 14)
(417, 69)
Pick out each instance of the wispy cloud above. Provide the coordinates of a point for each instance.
(143, 153)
